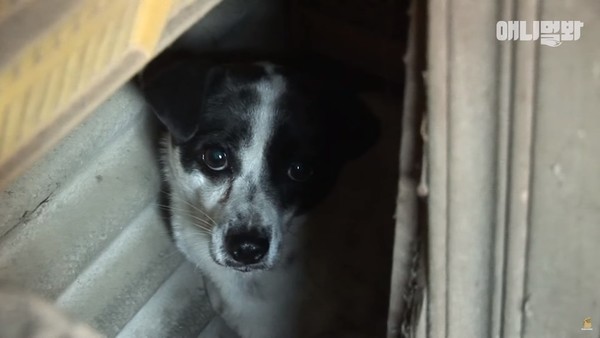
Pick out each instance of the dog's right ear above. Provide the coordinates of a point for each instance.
(175, 92)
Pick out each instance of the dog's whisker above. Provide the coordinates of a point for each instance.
(198, 210)
(204, 223)
(190, 204)
(171, 254)
(187, 213)
(203, 229)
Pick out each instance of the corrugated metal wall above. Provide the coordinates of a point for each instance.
(514, 138)
(83, 229)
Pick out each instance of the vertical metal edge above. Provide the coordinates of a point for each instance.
(472, 155)
(524, 88)
(407, 275)
(437, 91)
(505, 101)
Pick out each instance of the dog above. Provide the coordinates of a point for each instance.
(252, 148)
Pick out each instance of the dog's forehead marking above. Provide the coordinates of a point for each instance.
(262, 124)
(247, 193)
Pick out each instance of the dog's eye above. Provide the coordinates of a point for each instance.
(300, 172)
(215, 158)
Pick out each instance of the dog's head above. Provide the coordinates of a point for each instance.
(252, 148)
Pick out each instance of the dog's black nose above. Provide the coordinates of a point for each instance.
(246, 247)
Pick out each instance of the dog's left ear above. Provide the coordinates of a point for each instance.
(355, 128)
(175, 90)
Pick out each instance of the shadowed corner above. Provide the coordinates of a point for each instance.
(156, 131)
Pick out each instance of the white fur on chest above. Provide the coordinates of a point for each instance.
(258, 304)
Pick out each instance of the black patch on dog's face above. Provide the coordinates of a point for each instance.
(224, 123)
(224, 117)
(301, 137)
(319, 127)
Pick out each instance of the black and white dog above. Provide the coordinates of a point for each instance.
(253, 148)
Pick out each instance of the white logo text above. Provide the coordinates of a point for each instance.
(550, 33)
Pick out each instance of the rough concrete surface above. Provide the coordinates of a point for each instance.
(95, 244)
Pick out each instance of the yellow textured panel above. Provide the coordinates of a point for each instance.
(60, 58)
(151, 20)
(30, 85)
